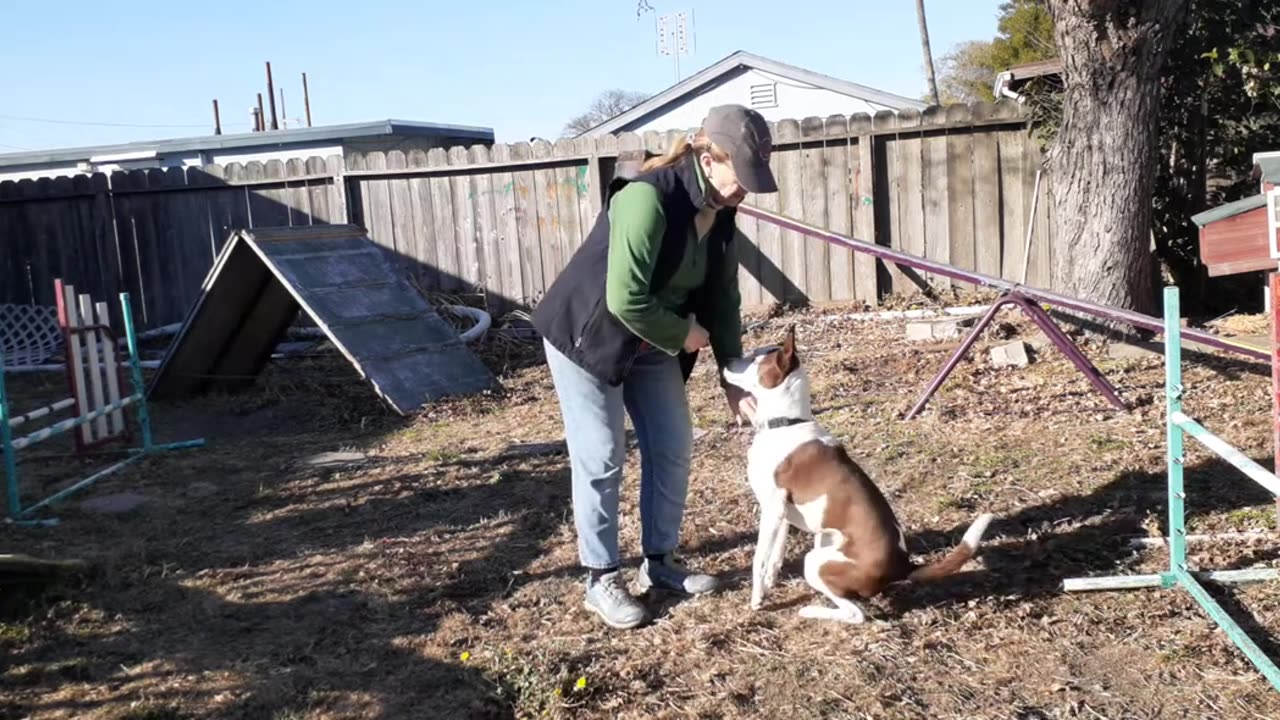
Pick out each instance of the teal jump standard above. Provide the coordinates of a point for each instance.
(25, 515)
(1178, 425)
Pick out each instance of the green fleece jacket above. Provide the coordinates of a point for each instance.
(636, 227)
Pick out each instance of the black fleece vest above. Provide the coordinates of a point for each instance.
(573, 315)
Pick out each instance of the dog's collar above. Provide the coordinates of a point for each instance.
(775, 423)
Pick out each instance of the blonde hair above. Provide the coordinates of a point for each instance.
(683, 146)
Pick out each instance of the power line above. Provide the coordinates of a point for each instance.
(54, 121)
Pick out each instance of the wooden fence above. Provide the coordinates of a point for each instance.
(955, 184)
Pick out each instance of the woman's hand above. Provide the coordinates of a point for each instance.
(742, 404)
(697, 337)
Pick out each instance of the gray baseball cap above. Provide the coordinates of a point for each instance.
(744, 134)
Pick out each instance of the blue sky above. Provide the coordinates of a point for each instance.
(521, 68)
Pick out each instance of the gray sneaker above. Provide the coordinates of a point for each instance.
(671, 575)
(608, 598)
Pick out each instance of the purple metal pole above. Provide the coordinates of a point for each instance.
(1069, 348)
(898, 257)
(1050, 329)
(958, 355)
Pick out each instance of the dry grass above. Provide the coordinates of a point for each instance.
(439, 579)
(1244, 325)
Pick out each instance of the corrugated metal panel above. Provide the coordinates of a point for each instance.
(1231, 209)
(348, 287)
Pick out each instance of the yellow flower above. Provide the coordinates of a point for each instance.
(466, 655)
(581, 684)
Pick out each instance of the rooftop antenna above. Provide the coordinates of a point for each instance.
(675, 31)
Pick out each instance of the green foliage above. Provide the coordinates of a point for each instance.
(1220, 105)
(1025, 34)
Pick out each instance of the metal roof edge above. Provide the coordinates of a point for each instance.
(269, 138)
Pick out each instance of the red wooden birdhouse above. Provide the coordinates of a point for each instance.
(1242, 236)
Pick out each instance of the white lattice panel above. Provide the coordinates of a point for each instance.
(29, 334)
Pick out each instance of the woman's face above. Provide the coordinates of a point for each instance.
(725, 189)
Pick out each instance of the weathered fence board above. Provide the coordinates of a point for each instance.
(987, 224)
(791, 203)
(526, 202)
(911, 204)
(773, 282)
(889, 178)
(464, 223)
(1012, 194)
(449, 270)
(401, 200)
(959, 204)
(422, 222)
(936, 197)
(507, 226)
(813, 200)
(864, 209)
(838, 191)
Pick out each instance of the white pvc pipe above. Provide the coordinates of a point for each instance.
(914, 314)
(60, 367)
(1225, 451)
(46, 410)
(477, 331)
(1130, 582)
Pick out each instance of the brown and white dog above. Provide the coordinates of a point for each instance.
(803, 477)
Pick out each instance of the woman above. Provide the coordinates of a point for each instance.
(655, 282)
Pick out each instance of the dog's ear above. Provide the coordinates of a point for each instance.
(788, 359)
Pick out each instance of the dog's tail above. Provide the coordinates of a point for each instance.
(958, 556)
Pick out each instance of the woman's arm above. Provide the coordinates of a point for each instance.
(724, 322)
(636, 227)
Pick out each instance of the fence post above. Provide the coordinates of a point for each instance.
(1273, 280)
(1176, 456)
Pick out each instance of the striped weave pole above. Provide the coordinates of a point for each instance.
(46, 410)
(65, 425)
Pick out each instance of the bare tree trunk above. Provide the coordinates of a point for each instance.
(928, 55)
(1103, 160)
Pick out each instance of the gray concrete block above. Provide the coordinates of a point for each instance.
(940, 329)
(1012, 354)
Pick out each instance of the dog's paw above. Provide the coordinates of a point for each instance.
(817, 612)
(757, 602)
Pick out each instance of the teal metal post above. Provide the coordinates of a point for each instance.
(1176, 455)
(10, 455)
(1178, 425)
(135, 363)
(138, 398)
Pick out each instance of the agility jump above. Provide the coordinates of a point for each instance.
(94, 375)
(1178, 425)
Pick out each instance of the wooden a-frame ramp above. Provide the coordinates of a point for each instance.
(352, 291)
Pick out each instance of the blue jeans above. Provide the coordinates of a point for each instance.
(653, 394)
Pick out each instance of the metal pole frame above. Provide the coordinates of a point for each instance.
(25, 516)
(1026, 297)
(1177, 426)
(1047, 326)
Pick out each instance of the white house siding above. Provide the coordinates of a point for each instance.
(283, 154)
(37, 172)
(795, 101)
